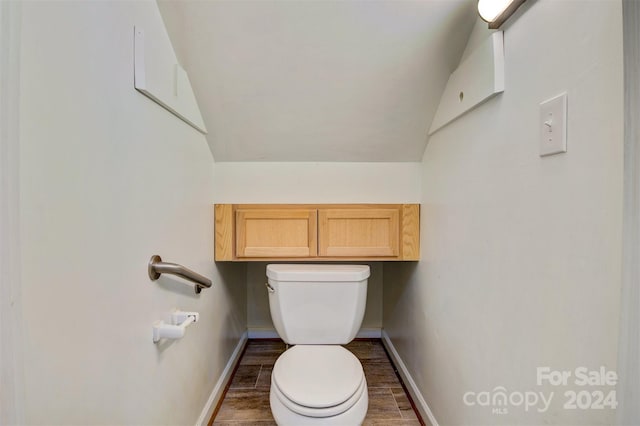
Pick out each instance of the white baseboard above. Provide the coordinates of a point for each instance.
(262, 333)
(218, 389)
(369, 333)
(266, 333)
(417, 397)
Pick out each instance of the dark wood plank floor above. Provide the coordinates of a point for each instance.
(247, 400)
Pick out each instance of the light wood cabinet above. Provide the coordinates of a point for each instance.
(276, 233)
(358, 232)
(309, 232)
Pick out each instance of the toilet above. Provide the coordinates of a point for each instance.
(317, 308)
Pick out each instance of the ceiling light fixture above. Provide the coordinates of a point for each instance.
(495, 12)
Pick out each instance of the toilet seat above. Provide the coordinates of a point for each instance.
(318, 380)
(320, 412)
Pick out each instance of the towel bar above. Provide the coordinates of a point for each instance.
(157, 267)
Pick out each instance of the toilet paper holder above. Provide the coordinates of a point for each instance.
(180, 320)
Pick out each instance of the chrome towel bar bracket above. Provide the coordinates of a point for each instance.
(157, 267)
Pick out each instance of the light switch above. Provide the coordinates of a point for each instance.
(553, 125)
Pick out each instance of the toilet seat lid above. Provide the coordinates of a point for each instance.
(317, 376)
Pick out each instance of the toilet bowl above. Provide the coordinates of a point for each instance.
(318, 385)
(317, 308)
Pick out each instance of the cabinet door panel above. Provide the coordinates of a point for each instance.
(358, 232)
(276, 233)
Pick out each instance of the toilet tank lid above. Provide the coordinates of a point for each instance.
(295, 272)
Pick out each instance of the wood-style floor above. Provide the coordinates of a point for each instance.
(247, 400)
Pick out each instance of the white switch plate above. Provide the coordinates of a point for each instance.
(553, 125)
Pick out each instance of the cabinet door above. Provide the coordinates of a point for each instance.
(372, 232)
(276, 233)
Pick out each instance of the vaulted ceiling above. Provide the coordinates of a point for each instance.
(318, 80)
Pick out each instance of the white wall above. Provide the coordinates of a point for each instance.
(629, 344)
(109, 178)
(288, 182)
(520, 254)
(318, 80)
(11, 371)
(300, 182)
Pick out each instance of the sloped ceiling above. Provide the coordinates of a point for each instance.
(318, 80)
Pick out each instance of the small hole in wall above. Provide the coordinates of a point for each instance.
(461, 96)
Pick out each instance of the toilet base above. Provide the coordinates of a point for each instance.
(354, 416)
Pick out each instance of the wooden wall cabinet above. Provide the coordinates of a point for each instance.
(370, 232)
(276, 232)
(252, 232)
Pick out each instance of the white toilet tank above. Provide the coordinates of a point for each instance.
(317, 304)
